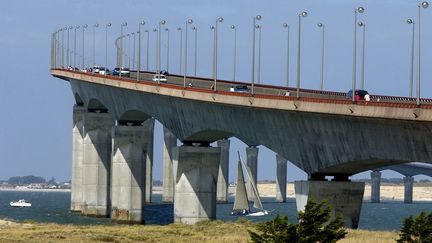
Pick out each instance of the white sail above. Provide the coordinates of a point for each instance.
(240, 201)
(257, 200)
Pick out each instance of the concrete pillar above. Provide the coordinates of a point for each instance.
(96, 163)
(149, 128)
(252, 163)
(222, 182)
(77, 203)
(409, 183)
(129, 159)
(170, 142)
(345, 197)
(281, 178)
(375, 186)
(197, 173)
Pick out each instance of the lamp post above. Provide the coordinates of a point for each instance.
(139, 49)
(422, 5)
(300, 16)
(83, 28)
(159, 47)
(94, 43)
(75, 29)
(181, 48)
(67, 49)
(189, 21)
(354, 74)
(106, 47)
(410, 21)
(215, 47)
(129, 50)
(362, 77)
(259, 53)
(62, 45)
(195, 29)
(133, 50)
(285, 25)
(167, 53)
(322, 26)
(121, 46)
(148, 49)
(234, 52)
(257, 17)
(156, 50)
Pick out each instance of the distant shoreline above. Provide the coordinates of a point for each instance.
(33, 190)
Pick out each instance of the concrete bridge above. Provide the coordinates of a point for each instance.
(409, 170)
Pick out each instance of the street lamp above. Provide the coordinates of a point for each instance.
(259, 53)
(148, 49)
(133, 50)
(181, 47)
(422, 5)
(156, 50)
(139, 49)
(167, 54)
(234, 52)
(62, 44)
(285, 25)
(361, 24)
(121, 47)
(215, 47)
(354, 74)
(129, 51)
(300, 16)
(322, 26)
(67, 49)
(189, 21)
(94, 43)
(410, 21)
(83, 28)
(75, 29)
(257, 17)
(195, 29)
(106, 48)
(159, 48)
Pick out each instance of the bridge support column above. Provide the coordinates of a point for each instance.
(252, 163)
(409, 183)
(96, 163)
(196, 179)
(170, 142)
(344, 197)
(375, 186)
(149, 127)
(281, 178)
(77, 202)
(130, 144)
(222, 182)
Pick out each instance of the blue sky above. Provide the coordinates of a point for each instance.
(35, 127)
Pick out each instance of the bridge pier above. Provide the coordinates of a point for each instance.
(196, 179)
(281, 178)
(77, 202)
(345, 197)
(96, 163)
(149, 124)
(252, 163)
(375, 186)
(170, 142)
(408, 194)
(130, 144)
(222, 182)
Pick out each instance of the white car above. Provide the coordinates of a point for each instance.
(159, 78)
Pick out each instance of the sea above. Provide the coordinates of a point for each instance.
(53, 207)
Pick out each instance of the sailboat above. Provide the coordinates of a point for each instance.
(241, 204)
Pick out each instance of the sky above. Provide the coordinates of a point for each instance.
(36, 117)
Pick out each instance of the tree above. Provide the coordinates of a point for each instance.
(418, 229)
(313, 226)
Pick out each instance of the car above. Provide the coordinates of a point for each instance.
(360, 94)
(103, 70)
(159, 78)
(123, 71)
(164, 72)
(96, 69)
(239, 89)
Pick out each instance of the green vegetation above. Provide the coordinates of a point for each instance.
(314, 226)
(417, 229)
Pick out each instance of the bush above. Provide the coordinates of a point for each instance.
(418, 229)
(313, 226)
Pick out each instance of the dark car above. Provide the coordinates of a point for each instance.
(164, 72)
(360, 94)
(124, 72)
(239, 89)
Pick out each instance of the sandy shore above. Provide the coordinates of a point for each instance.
(388, 192)
(33, 190)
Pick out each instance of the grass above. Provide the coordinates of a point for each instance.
(214, 231)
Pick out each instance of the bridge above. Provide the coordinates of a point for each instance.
(321, 132)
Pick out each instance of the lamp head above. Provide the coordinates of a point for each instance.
(410, 21)
(320, 25)
(85, 26)
(142, 22)
(154, 30)
(360, 9)
(77, 27)
(166, 29)
(361, 24)
(70, 27)
(179, 28)
(258, 17)
(108, 25)
(163, 22)
(220, 19)
(425, 4)
(232, 27)
(285, 25)
(124, 24)
(194, 28)
(257, 26)
(304, 14)
(96, 25)
(189, 21)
